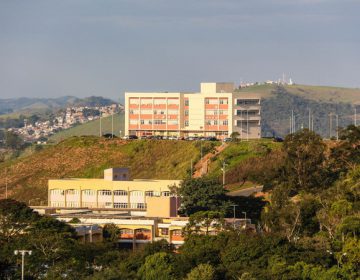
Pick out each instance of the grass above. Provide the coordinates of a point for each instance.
(237, 152)
(88, 156)
(92, 128)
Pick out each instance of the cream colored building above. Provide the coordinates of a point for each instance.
(217, 110)
(116, 191)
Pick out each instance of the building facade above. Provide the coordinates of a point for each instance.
(116, 191)
(217, 110)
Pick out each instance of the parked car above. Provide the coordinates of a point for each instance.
(143, 137)
(133, 137)
(227, 139)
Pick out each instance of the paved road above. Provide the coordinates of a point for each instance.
(246, 192)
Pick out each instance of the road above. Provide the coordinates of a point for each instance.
(246, 192)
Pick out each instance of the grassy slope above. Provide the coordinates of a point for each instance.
(237, 153)
(315, 93)
(92, 128)
(88, 156)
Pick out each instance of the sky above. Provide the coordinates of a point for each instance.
(106, 47)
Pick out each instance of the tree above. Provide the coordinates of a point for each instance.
(202, 194)
(204, 220)
(304, 161)
(111, 232)
(157, 267)
(234, 136)
(202, 271)
(13, 141)
(15, 218)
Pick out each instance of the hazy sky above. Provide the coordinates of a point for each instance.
(103, 47)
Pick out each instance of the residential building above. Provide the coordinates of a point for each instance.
(217, 110)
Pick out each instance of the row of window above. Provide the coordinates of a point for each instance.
(150, 101)
(156, 122)
(246, 112)
(109, 192)
(216, 112)
(215, 101)
(215, 122)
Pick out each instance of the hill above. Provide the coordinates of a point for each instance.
(13, 107)
(314, 93)
(92, 128)
(86, 157)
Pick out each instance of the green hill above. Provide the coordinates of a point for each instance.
(92, 128)
(88, 156)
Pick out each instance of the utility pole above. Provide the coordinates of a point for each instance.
(355, 117)
(330, 120)
(191, 167)
(309, 119)
(337, 127)
(6, 184)
(100, 126)
(22, 253)
(112, 125)
(241, 133)
(247, 124)
(234, 206)
(224, 172)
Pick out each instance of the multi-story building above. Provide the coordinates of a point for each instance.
(116, 190)
(217, 110)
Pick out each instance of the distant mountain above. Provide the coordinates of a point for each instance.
(32, 105)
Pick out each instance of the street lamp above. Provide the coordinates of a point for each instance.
(245, 219)
(22, 253)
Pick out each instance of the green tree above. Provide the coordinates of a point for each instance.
(13, 141)
(304, 161)
(204, 220)
(159, 266)
(202, 195)
(202, 271)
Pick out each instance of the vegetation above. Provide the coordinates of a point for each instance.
(87, 157)
(309, 228)
(92, 128)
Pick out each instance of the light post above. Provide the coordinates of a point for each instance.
(234, 206)
(22, 253)
(90, 237)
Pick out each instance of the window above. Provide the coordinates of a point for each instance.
(126, 231)
(225, 122)
(120, 205)
(120, 192)
(159, 122)
(164, 231)
(136, 193)
(247, 101)
(186, 123)
(186, 102)
(134, 101)
(166, 193)
(146, 101)
(146, 112)
(176, 232)
(142, 121)
(186, 112)
(173, 122)
(159, 101)
(72, 192)
(138, 205)
(88, 192)
(104, 192)
(149, 193)
(215, 122)
(223, 101)
(173, 101)
(134, 122)
(173, 112)
(207, 101)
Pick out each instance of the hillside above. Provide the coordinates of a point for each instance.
(13, 107)
(314, 93)
(92, 128)
(87, 157)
